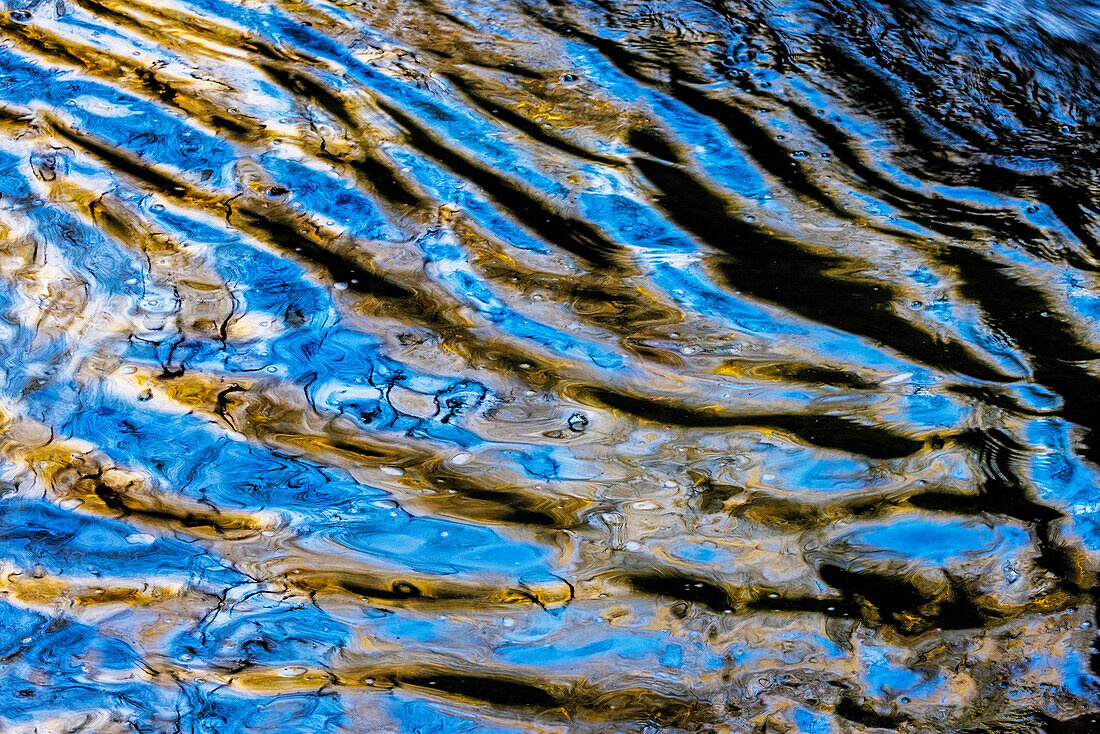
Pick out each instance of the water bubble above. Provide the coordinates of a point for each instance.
(292, 671)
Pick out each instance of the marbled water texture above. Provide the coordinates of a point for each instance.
(715, 366)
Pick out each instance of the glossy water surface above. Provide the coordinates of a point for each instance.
(549, 366)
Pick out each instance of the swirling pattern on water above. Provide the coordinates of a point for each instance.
(549, 365)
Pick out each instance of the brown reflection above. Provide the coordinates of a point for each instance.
(559, 701)
(104, 490)
(37, 590)
(400, 591)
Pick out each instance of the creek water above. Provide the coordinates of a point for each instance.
(549, 366)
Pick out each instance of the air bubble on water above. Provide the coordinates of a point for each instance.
(393, 471)
(900, 377)
(292, 671)
(463, 458)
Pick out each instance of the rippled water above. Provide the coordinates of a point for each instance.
(549, 366)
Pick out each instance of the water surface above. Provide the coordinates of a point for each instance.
(549, 366)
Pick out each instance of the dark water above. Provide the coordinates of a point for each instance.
(549, 366)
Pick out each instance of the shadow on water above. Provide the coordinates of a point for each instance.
(549, 365)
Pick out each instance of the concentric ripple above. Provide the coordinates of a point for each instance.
(549, 366)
